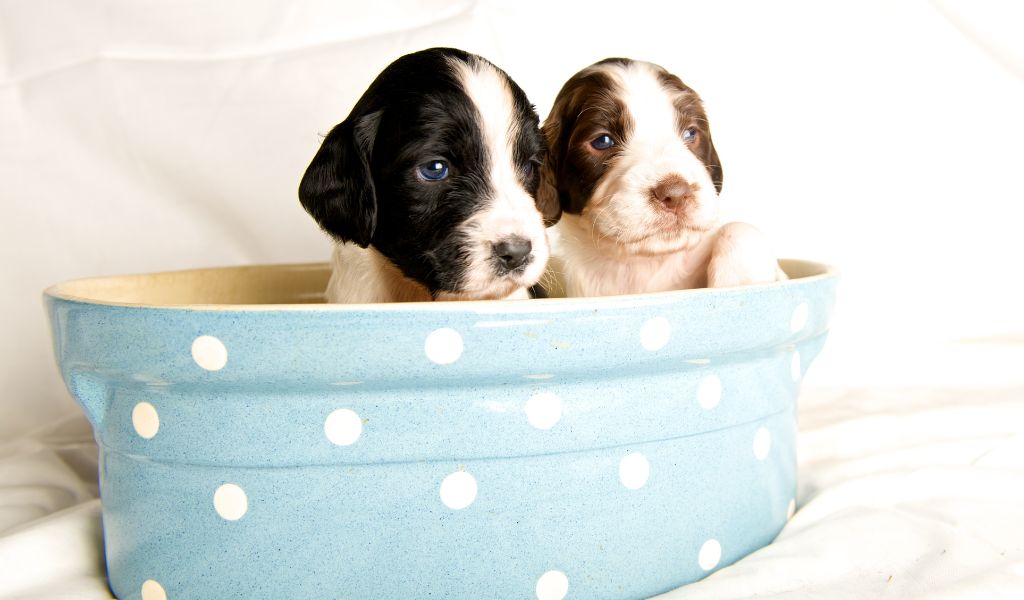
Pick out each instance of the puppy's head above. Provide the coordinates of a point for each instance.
(630, 153)
(437, 168)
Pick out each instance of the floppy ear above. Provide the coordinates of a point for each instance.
(714, 165)
(548, 201)
(547, 195)
(337, 189)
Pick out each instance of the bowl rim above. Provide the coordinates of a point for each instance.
(66, 291)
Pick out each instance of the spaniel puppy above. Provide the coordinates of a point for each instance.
(428, 187)
(632, 166)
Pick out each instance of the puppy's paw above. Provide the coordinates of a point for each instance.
(741, 255)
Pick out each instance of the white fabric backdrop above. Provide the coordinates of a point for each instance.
(882, 137)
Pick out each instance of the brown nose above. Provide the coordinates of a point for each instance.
(672, 193)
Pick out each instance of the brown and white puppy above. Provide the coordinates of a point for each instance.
(428, 187)
(633, 168)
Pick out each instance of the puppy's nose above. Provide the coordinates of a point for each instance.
(512, 252)
(672, 193)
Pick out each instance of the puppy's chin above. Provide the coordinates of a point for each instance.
(668, 241)
(654, 235)
(497, 288)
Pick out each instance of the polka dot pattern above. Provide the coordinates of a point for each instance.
(443, 346)
(709, 392)
(710, 555)
(209, 353)
(634, 470)
(762, 443)
(799, 319)
(145, 420)
(655, 333)
(152, 590)
(458, 490)
(230, 502)
(544, 410)
(343, 427)
(553, 585)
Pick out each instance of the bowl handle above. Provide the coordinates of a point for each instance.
(92, 393)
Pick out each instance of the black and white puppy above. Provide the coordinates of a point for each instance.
(428, 187)
(632, 165)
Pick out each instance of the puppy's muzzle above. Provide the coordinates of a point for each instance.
(512, 253)
(673, 193)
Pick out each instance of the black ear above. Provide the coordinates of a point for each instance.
(337, 189)
(714, 166)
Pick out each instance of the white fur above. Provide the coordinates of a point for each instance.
(364, 275)
(622, 242)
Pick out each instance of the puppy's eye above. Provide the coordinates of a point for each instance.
(433, 170)
(690, 135)
(602, 142)
(530, 167)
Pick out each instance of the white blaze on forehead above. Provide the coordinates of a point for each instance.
(489, 91)
(650, 105)
(511, 211)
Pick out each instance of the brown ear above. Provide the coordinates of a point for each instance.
(714, 166)
(548, 199)
(547, 195)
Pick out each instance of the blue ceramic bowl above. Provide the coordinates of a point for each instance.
(257, 444)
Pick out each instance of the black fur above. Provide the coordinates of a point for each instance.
(362, 185)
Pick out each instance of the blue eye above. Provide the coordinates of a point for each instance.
(433, 170)
(602, 142)
(690, 135)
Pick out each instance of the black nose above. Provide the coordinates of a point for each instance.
(512, 252)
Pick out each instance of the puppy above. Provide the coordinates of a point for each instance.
(428, 187)
(632, 166)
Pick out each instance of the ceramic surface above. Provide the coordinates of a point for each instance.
(562, 448)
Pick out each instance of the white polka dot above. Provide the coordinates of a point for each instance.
(209, 353)
(710, 555)
(343, 427)
(762, 443)
(709, 392)
(799, 319)
(152, 590)
(458, 490)
(443, 346)
(543, 410)
(794, 367)
(654, 333)
(634, 469)
(145, 420)
(553, 585)
(230, 502)
(791, 509)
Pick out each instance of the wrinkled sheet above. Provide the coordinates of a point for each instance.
(904, 492)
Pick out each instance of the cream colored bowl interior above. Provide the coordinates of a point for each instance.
(250, 285)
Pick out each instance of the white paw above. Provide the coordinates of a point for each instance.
(741, 255)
